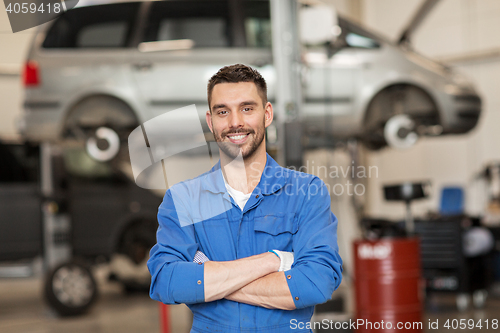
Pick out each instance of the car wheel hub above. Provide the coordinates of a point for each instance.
(104, 146)
(72, 286)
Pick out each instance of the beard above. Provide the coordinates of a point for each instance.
(249, 148)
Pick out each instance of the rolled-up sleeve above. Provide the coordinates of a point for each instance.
(317, 269)
(175, 278)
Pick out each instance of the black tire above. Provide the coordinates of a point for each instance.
(70, 289)
(134, 244)
(137, 240)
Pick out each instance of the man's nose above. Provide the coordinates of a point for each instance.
(236, 119)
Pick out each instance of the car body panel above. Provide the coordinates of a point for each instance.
(179, 78)
(101, 211)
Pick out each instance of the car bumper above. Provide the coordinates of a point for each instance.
(40, 123)
(467, 109)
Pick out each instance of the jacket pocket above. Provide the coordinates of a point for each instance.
(215, 239)
(275, 231)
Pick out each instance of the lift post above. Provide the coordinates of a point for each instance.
(56, 226)
(286, 59)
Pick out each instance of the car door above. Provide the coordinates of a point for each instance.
(186, 42)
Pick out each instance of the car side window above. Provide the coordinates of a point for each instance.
(360, 41)
(204, 23)
(257, 23)
(110, 34)
(354, 36)
(102, 26)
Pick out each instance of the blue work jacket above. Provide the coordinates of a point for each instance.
(288, 211)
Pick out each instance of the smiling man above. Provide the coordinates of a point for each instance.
(249, 246)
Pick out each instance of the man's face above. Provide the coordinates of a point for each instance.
(238, 118)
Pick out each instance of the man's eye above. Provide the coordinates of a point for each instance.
(222, 112)
(247, 109)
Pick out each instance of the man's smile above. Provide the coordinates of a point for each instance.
(238, 138)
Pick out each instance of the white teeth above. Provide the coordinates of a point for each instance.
(237, 137)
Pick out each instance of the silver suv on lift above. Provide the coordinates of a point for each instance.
(118, 65)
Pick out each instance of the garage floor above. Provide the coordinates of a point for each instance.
(23, 311)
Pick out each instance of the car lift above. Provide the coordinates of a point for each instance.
(69, 287)
(56, 227)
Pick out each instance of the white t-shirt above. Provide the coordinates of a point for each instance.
(239, 197)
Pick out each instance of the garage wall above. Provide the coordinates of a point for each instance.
(352, 9)
(455, 28)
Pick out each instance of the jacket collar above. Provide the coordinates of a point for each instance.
(273, 178)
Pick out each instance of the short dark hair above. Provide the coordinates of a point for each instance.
(238, 73)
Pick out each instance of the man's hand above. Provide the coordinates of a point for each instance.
(286, 259)
(270, 291)
(223, 278)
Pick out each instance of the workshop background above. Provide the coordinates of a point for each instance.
(460, 33)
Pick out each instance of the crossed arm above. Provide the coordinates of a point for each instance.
(254, 280)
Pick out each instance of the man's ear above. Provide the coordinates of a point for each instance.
(269, 114)
(208, 118)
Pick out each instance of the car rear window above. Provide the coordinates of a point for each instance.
(108, 26)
